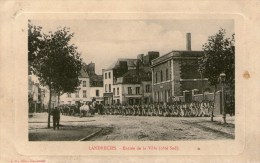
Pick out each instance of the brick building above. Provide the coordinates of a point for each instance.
(176, 74)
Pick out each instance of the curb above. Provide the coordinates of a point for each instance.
(91, 135)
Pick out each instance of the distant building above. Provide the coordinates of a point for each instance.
(176, 74)
(46, 96)
(111, 74)
(134, 87)
(91, 87)
(35, 95)
(129, 80)
(96, 87)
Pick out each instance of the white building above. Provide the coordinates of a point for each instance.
(110, 76)
(81, 95)
(128, 81)
(91, 87)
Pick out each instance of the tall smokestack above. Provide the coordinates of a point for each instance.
(188, 41)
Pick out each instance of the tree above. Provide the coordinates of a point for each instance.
(219, 57)
(34, 45)
(58, 63)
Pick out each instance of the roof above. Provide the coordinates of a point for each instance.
(131, 73)
(130, 63)
(132, 76)
(83, 73)
(96, 77)
(96, 80)
(177, 54)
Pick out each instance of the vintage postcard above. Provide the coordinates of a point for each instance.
(127, 82)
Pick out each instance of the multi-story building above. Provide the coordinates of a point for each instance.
(176, 74)
(111, 74)
(96, 87)
(82, 93)
(134, 87)
(37, 96)
(91, 87)
(129, 80)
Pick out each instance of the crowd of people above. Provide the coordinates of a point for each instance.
(176, 109)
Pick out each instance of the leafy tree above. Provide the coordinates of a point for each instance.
(58, 63)
(34, 44)
(219, 57)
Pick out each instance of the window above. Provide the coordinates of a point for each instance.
(68, 94)
(109, 87)
(161, 76)
(129, 90)
(114, 91)
(77, 94)
(105, 75)
(84, 83)
(97, 93)
(117, 91)
(118, 101)
(109, 75)
(167, 74)
(105, 87)
(84, 94)
(147, 88)
(137, 90)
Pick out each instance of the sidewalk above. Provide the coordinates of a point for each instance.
(71, 129)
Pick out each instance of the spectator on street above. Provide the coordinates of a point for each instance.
(56, 118)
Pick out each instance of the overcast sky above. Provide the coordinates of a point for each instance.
(103, 41)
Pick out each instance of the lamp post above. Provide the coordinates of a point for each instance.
(222, 78)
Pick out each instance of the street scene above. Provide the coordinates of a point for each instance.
(142, 80)
(130, 128)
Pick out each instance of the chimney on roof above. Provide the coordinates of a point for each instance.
(188, 41)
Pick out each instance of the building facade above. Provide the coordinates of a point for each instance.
(91, 87)
(129, 81)
(176, 74)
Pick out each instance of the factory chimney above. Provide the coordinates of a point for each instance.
(188, 41)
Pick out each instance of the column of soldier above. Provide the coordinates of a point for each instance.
(194, 109)
(177, 109)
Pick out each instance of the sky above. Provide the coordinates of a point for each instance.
(104, 41)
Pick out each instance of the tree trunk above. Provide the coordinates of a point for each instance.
(58, 98)
(214, 100)
(49, 109)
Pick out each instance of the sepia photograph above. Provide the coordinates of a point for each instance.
(131, 80)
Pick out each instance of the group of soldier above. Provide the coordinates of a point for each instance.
(181, 109)
(177, 109)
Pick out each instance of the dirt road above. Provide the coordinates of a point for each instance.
(132, 128)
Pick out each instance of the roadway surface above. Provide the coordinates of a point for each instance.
(130, 128)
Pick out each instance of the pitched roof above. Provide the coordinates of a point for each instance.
(96, 77)
(132, 76)
(116, 64)
(83, 73)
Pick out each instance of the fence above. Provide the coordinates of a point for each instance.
(207, 97)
